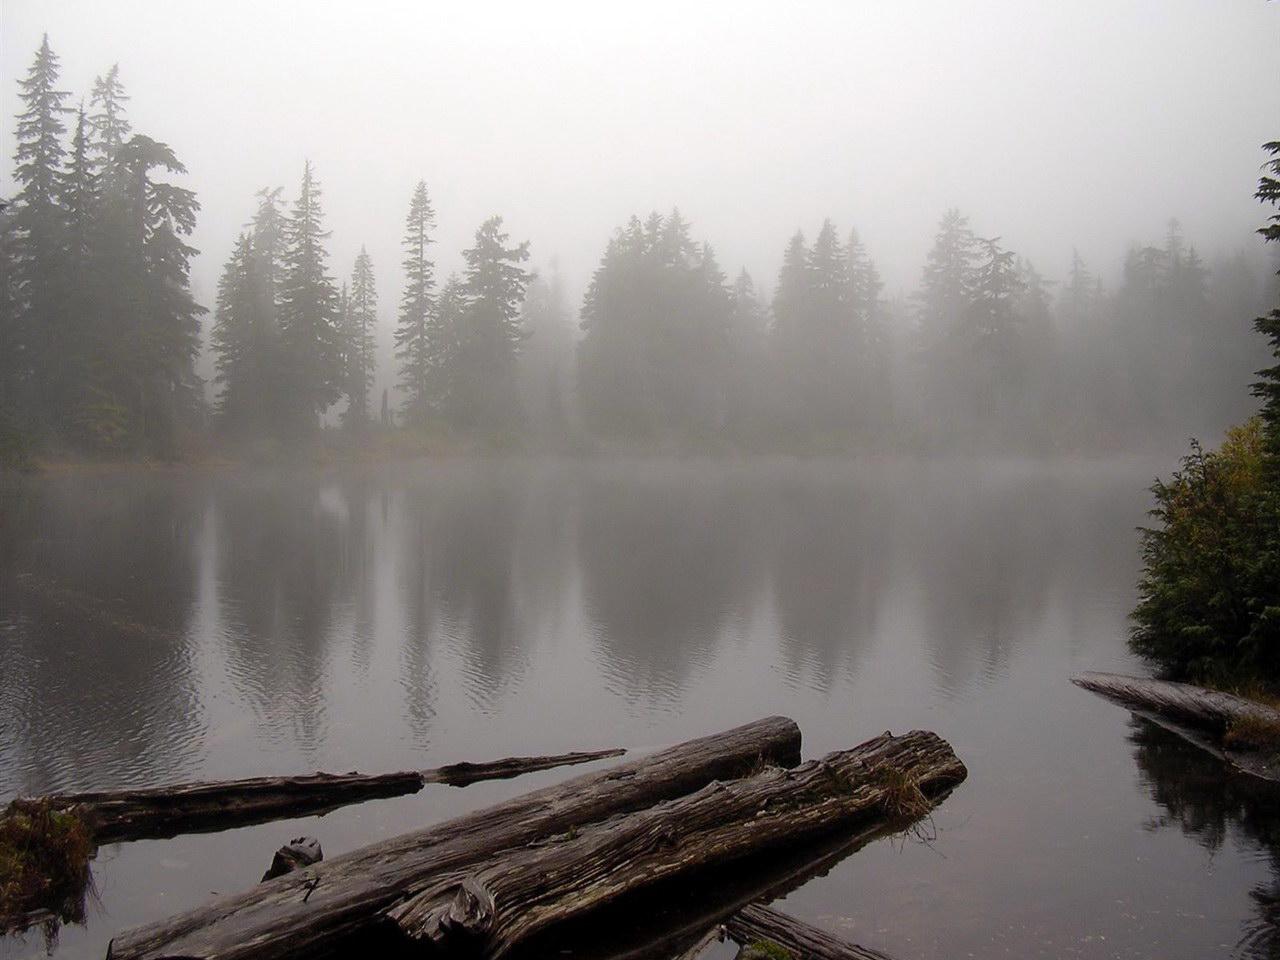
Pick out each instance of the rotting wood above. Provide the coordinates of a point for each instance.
(154, 812)
(802, 940)
(462, 774)
(715, 935)
(311, 910)
(489, 909)
(1198, 715)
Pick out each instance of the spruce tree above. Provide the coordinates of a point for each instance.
(485, 394)
(1267, 387)
(164, 335)
(233, 336)
(38, 158)
(311, 349)
(110, 126)
(358, 339)
(420, 345)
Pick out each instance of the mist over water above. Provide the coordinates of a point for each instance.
(389, 385)
(244, 621)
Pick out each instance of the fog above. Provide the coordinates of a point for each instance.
(1054, 126)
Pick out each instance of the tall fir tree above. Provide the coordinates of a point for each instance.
(234, 337)
(111, 128)
(39, 222)
(420, 344)
(1267, 387)
(311, 348)
(361, 316)
(484, 386)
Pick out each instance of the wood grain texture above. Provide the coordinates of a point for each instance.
(803, 940)
(487, 910)
(305, 912)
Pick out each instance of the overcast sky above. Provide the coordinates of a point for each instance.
(1086, 123)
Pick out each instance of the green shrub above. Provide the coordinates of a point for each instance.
(1209, 597)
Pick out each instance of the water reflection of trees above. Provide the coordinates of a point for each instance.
(830, 565)
(287, 553)
(98, 585)
(666, 554)
(1203, 798)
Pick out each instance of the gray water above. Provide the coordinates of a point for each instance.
(177, 624)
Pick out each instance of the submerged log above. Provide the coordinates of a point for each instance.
(154, 812)
(311, 910)
(1242, 732)
(297, 853)
(802, 940)
(488, 910)
(462, 774)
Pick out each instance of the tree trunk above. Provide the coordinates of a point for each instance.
(1239, 731)
(803, 941)
(153, 812)
(487, 910)
(310, 910)
(1195, 706)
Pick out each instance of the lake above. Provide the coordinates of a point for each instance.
(173, 624)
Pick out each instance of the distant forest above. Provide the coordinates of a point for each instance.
(100, 334)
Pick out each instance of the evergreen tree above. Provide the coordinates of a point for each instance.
(162, 336)
(484, 388)
(361, 316)
(790, 297)
(949, 276)
(110, 126)
(39, 222)
(308, 312)
(653, 362)
(235, 335)
(1267, 387)
(420, 345)
(545, 318)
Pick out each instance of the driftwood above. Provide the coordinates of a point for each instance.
(315, 909)
(716, 934)
(297, 853)
(1199, 715)
(488, 910)
(802, 940)
(462, 774)
(155, 812)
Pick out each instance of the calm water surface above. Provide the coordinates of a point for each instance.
(165, 626)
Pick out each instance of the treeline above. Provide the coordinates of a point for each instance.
(100, 333)
(98, 329)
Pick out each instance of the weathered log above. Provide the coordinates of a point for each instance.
(488, 910)
(297, 853)
(802, 940)
(715, 935)
(310, 910)
(155, 812)
(462, 774)
(1217, 722)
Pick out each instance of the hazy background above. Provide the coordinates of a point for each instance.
(1086, 124)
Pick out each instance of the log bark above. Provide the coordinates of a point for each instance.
(462, 774)
(1198, 715)
(488, 910)
(715, 935)
(154, 812)
(802, 940)
(349, 895)
(1194, 706)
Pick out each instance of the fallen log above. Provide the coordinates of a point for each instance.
(489, 909)
(803, 941)
(462, 774)
(314, 909)
(155, 812)
(715, 935)
(1240, 731)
